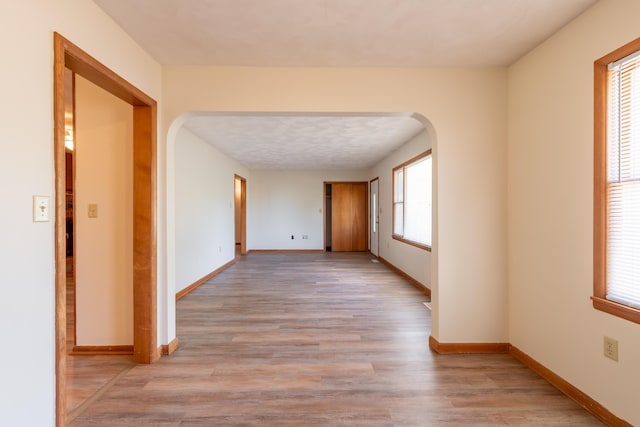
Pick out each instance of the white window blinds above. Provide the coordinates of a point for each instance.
(623, 182)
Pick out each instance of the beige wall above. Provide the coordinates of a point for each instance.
(204, 208)
(286, 203)
(104, 245)
(467, 110)
(414, 261)
(26, 169)
(550, 211)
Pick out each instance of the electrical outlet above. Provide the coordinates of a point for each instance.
(305, 237)
(611, 348)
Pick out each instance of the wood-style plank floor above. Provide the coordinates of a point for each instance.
(320, 340)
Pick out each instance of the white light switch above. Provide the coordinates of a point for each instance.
(40, 208)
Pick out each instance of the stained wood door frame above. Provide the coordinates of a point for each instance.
(243, 213)
(324, 217)
(145, 348)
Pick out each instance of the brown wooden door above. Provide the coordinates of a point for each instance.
(349, 225)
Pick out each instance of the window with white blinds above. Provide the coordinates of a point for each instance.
(412, 201)
(623, 181)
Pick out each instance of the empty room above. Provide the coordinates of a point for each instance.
(321, 212)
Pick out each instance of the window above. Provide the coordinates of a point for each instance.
(617, 183)
(412, 201)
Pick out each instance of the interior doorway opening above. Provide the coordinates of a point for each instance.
(240, 194)
(346, 216)
(69, 56)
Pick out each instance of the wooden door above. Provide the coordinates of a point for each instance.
(349, 227)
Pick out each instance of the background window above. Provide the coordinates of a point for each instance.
(412, 196)
(617, 183)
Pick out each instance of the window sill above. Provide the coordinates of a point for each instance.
(620, 310)
(412, 243)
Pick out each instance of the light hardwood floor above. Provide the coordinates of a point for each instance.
(320, 340)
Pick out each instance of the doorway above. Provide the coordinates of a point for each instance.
(240, 194)
(346, 216)
(374, 212)
(69, 56)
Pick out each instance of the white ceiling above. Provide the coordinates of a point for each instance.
(332, 33)
(341, 33)
(318, 141)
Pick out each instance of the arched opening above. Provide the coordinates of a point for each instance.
(174, 200)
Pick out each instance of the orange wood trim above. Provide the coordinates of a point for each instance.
(67, 54)
(74, 222)
(199, 282)
(93, 70)
(167, 349)
(393, 202)
(600, 199)
(412, 243)
(101, 349)
(620, 310)
(285, 251)
(582, 399)
(144, 234)
(599, 180)
(408, 278)
(413, 159)
(454, 348)
(60, 231)
(243, 214)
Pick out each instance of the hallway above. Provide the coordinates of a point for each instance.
(316, 340)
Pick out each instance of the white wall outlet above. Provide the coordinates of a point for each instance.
(305, 237)
(611, 348)
(40, 209)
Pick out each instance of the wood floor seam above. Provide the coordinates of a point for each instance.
(71, 416)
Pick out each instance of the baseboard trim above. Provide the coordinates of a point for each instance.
(199, 282)
(167, 349)
(285, 251)
(468, 348)
(422, 288)
(581, 398)
(87, 350)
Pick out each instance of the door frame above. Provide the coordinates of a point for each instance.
(375, 219)
(243, 212)
(145, 348)
(324, 217)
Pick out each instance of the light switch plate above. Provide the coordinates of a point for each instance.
(40, 209)
(92, 211)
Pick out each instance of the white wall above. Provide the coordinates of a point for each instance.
(414, 261)
(26, 169)
(204, 208)
(550, 211)
(104, 245)
(465, 108)
(286, 203)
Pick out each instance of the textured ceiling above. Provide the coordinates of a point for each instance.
(290, 142)
(341, 33)
(332, 33)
